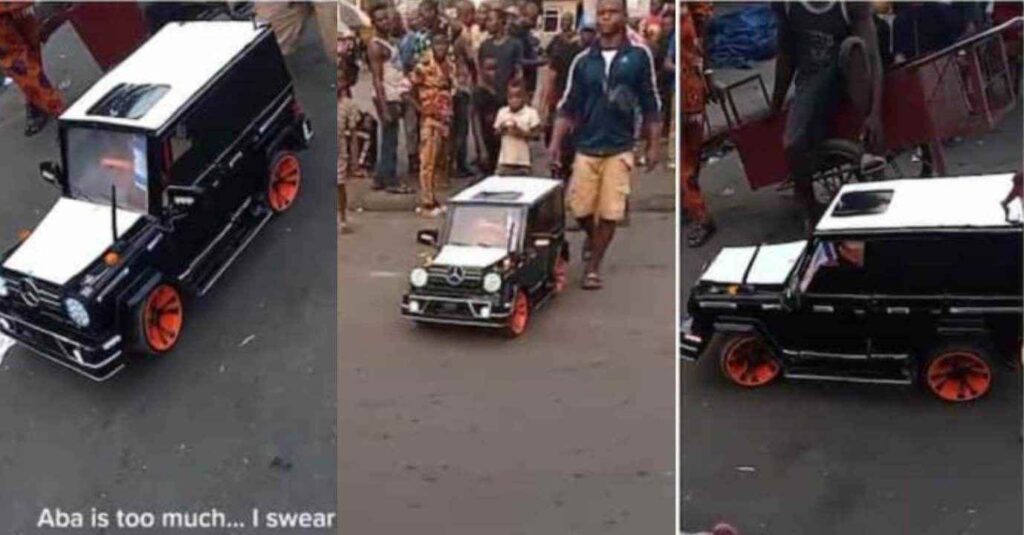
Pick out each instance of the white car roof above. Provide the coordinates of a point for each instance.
(960, 202)
(182, 55)
(507, 190)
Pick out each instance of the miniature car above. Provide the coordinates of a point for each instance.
(903, 281)
(171, 164)
(499, 255)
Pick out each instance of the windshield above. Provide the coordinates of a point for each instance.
(98, 159)
(484, 226)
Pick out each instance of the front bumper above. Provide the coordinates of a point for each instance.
(691, 344)
(477, 311)
(96, 358)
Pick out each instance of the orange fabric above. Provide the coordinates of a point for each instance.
(433, 159)
(695, 16)
(693, 199)
(435, 82)
(22, 60)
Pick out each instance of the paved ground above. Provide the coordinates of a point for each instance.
(201, 428)
(836, 458)
(568, 429)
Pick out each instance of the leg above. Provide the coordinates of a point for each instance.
(442, 166)
(342, 203)
(806, 125)
(387, 162)
(693, 198)
(21, 59)
(430, 146)
(615, 175)
(412, 137)
(460, 134)
(857, 74)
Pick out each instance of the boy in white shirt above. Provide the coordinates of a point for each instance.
(517, 124)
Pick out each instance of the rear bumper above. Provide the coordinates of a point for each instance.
(98, 360)
(476, 311)
(691, 344)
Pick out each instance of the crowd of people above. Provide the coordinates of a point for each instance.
(830, 52)
(477, 81)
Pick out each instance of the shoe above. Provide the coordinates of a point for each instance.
(35, 121)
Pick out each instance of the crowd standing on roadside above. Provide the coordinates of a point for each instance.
(482, 101)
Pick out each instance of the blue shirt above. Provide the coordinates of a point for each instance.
(602, 101)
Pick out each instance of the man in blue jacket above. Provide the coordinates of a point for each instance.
(608, 83)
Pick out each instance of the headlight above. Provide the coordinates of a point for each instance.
(77, 312)
(418, 277)
(3, 288)
(492, 282)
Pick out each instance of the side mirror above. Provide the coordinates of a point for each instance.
(790, 299)
(52, 173)
(427, 237)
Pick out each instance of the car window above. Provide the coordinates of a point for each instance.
(101, 160)
(484, 226)
(836, 267)
(986, 265)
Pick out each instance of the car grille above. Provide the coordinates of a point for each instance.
(454, 279)
(34, 294)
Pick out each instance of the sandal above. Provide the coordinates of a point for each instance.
(700, 234)
(592, 281)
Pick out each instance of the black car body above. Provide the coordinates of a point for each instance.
(171, 164)
(903, 281)
(500, 254)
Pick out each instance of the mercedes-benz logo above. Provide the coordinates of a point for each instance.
(29, 293)
(455, 275)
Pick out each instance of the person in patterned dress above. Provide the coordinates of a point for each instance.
(22, 59)
(433, 83)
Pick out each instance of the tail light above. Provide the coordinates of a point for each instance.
(296, 108)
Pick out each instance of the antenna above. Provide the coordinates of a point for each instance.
(113, 210)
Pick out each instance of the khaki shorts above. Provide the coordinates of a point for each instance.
(600, 186)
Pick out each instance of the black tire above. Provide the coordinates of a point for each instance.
(154, 333)
(838, 163)
(958, 371)
(283, 181)
(763, 367)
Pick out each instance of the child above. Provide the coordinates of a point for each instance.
(433, 86)
(518, 124)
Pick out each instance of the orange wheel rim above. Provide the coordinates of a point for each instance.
(162, 318)
(748, 362)
(561, 275)
(520, 314)
(959, 376)
(284, 182)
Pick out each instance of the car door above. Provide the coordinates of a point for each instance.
(537, 247)
(829, 319)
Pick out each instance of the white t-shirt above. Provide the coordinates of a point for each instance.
(516, 150)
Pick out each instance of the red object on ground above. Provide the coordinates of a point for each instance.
(110, 30)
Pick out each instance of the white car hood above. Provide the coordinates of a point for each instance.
(72, 236)
(469, 256)
(771, 264)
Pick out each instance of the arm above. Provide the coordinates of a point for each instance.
(864, 27)
(650, 106)
(376, 57)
